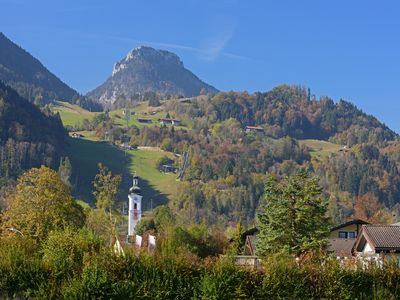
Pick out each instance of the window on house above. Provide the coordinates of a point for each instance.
(352, 235)
(343, 234)
(135, 206)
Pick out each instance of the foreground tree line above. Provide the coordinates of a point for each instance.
(51, 247)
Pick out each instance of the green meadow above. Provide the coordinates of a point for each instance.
(86, 154)
(71, 114)
(320, 148)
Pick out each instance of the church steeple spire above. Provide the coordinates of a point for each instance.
(135, 206)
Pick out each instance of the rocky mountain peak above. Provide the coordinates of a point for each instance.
(145, 53)
(145, 69)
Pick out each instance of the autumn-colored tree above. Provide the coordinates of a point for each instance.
(41, 203)
(369, 209)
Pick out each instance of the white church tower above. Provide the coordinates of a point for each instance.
(135, 207)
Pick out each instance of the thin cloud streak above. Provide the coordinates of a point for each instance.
(209, 53)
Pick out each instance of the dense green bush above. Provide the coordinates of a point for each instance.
(65, 251)
(92, 271)
(21, 271)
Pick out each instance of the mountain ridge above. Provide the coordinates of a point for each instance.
(145, 69)
(28, 76)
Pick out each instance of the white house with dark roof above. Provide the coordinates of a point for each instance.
(378, 241)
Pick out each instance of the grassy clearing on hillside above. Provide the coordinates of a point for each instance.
(86, 154)
(320, 148)
(144, 164)
(142, 111)
(71, 114)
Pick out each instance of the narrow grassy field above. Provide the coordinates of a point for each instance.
(142, 111)
(71, 114)
(144, 164)
(320, 148)
(85, 156)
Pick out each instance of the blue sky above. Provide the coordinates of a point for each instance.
(342, 49)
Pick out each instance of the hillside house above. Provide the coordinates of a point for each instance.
(342, 238)
(171, 121)
(147, 121)
(344, 149)
(256, 129)
(377, 242)
(168, 169)
(76, 135)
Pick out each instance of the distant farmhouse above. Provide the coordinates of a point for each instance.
(168, 169)
(344, 149)
(171, 121)
(140, 120)
(77, 135)
(127, 112)
(256, 129)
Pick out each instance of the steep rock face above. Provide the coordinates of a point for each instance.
(145, 69)
(24, 73)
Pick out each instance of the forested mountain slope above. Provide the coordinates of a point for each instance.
(358, 166)
(28, 136)
(224, 157)
(291, 111)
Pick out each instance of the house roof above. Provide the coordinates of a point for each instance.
(341, 247)
(380, 237)
(251, 231)
(354, 221)
(168, 119)
(254, 127)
